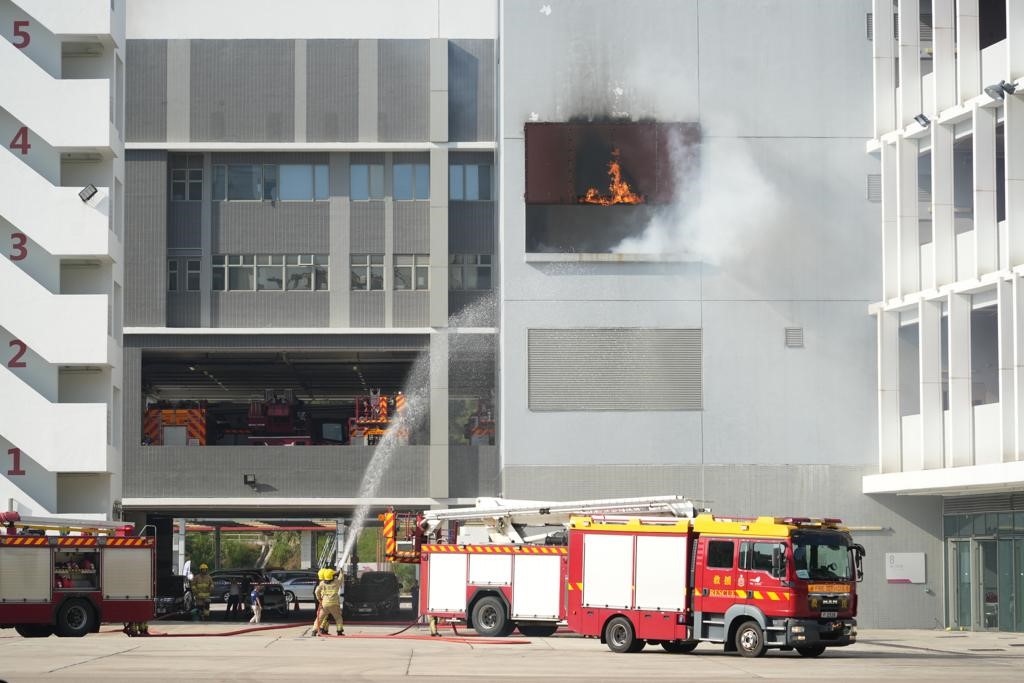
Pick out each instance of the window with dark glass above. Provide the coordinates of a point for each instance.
(187, 184)
(367, 272)
(412, 271)
(469, 272)
(245, 182)
(172, 275)
(192, 267)
(720, 554)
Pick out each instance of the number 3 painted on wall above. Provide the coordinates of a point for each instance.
(22, 35)
(18, 242)
(15, 470)
(16, 362)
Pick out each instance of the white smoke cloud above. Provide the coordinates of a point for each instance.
(718, 208)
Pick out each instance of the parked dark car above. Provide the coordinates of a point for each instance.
(222, 584)
(372, 594)
(273, 599)
(174, 596)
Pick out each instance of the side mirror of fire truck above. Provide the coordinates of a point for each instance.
(779, 562)
(858, 560)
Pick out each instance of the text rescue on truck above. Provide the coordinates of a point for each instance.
(752, 584)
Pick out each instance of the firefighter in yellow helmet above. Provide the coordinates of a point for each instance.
(202, 585)
(330, 592)
(316, 598)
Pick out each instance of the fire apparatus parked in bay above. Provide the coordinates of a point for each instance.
(85, 573)
(612, 569)
(502, 564)
(752, 584)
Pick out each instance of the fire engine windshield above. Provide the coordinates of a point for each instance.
(822, 556)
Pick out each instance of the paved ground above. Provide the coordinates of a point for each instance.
(284, 654)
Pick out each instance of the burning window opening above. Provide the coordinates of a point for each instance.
(619, 191)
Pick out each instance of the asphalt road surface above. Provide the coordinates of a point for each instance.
(368, 653)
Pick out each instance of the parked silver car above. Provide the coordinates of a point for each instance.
(299, 588)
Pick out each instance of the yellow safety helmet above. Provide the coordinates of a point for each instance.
(328, 575)
(320, 574)
(203, 567)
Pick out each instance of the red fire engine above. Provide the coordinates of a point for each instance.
(374, 416)
(85, 573)
(502, 564)
(752, 584)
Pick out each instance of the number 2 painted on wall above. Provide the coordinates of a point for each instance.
(21, 35)
(15, 470)
(18, 242)
(16, 361)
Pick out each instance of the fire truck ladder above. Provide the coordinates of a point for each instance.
(63, 524)
(505, 519)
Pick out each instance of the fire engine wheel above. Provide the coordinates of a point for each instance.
(750, 639)
(811, 650)
(489, 618)
(538, 630)
(677, 647)
(34, 630)
(620, 636)
(75, 619)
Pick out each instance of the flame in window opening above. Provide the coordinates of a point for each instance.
(619, 191)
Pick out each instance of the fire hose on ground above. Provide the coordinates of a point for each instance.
(398, 635)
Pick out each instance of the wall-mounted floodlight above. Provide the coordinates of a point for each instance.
(1000, 90)
(87, 193)
(249, 480)
(922, 120)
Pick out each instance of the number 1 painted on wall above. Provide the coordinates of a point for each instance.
(15, 470)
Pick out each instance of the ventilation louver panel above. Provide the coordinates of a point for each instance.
(624, 369)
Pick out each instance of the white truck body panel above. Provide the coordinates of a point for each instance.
(490, 570)
(25, 574)
(657, 586)
(536, 587)
(608, 570)
(127, 573)
(446, 590)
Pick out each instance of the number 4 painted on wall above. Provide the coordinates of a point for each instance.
(15, 470)
(20, 141)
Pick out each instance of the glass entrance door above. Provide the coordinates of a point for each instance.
(1018, 587)
(988, 583)
(961, 607)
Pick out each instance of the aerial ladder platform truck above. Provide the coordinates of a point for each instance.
(502, 564)
(65, 576)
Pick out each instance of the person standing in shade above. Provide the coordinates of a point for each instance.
(256, 599)
(330, 593)
(234, 598)
(201, 587)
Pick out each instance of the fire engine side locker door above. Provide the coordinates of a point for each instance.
(536, 587)
(26, 574)
(446, 587)
(608, 570)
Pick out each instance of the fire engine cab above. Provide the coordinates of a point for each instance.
(751, 584)
(70, 580)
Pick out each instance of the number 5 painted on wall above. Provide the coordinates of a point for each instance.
(15, 470)
(23, 36)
